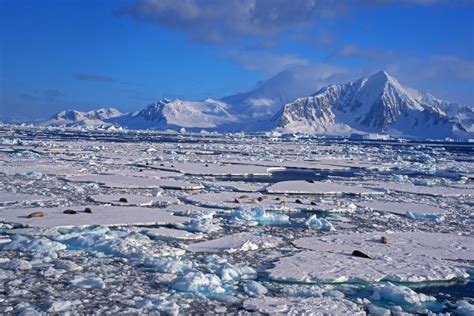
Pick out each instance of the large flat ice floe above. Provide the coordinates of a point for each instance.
(319, 188)
(11, 197)
(217, 169)
(405, 257)
(119, 181)
(41, 168)
(446, 246)
(236, 200)
(334, 267)
(402, 208)
(135, 200)
(423, 190)
(236, 243)
(101, 215)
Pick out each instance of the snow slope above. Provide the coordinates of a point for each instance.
(261, 107)
(176, 114)
(463, 113)
(76, 118)
(377, 104)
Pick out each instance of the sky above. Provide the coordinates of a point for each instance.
(85, 54)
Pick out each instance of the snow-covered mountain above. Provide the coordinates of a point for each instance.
(76, 118)
(463, 113)
(261, 107)
(377, 104)
(175, 114)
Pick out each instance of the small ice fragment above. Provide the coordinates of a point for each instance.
(88, 283)
(425, 217)
(199, 282)
(67, 265)
(254, 288)
(464, 308)
(400, 295)
(258, 215)
(16, 265)
(319, 224)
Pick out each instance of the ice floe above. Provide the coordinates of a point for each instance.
(402, 257)
(333, 267)
(119, 181)
(399, 295)
(316, 187)
(402, 208)
(319, 223)
(217, 169)
(99, 215)
(135, 200)
(236, 243)
(437, 245)
(257, 216)
(164, 233)
(11, 197)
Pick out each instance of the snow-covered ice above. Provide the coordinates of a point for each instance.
(11, 197)
(403, 207)
(236, 243)
(135, 200)
(100, 215)
(334, 267)
(312, 187)
(303, 306)
(119, 181)
(142, 222)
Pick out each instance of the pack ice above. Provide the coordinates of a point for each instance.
(97, 220)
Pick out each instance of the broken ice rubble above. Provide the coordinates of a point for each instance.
(143, 222)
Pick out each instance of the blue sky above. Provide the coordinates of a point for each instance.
(84, 54)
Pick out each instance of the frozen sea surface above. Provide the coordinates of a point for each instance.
(138, 222)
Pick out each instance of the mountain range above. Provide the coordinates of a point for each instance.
(376, 104)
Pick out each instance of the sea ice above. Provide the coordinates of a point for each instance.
(257, 216)
(319, 223)
(61, 306)
(316, 187)
(236, 243)
(119, 181)
(198, 282)
(164, 233)
(38, 247)
(100, 215)
(217, 169)
(11, 197)
(16, 264)
(331, 267)
(253, 288)
(235, 200)
(424, 217)
(317, 306)
(402, 208)
(464, 308)
(399, 295)
(88, 282)
(437, 245)
(423, 190)
(135, 200)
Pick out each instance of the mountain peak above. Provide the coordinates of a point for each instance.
(382, 73)
(382, 77)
